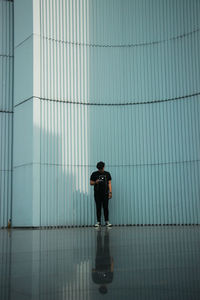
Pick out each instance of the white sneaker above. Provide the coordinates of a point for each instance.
(108, 224)
(98, 224)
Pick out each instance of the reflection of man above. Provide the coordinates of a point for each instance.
(103, 272)
(101, 180)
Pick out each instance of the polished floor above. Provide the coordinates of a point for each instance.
(90, 264)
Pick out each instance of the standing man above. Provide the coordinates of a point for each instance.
(101, 180)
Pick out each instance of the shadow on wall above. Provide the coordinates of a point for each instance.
(66, 198)
(153, 185)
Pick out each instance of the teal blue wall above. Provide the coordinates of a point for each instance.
(26, 208)
(6, 109)
(118, 82)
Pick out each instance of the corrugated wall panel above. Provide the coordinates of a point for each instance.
(120, 83)
(112, 61)
(121, 75)
(155, 168)
(5, 168)
(6, 109)
(116, 22)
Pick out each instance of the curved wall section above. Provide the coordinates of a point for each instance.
(121, 75)
(114, 52)
(151, 151)
(6, 109)
(116, 81)
(120, 83)
(117, 22)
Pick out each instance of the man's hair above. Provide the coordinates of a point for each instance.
(100, 165)
(103, 289)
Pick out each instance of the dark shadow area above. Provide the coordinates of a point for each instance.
(102, 274)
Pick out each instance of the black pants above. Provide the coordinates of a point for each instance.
(103, 261)
(101, 200)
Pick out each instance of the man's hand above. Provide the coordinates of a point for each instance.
(94, 182)
(110, 189)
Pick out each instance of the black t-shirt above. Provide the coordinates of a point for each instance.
(102, 277)
(102, 186)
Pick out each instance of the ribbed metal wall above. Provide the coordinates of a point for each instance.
(118, 51)
(6, 109)
(120, 83)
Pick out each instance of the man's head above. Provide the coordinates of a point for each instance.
(100, 166)
(103, 289)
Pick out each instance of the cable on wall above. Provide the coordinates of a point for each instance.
(6, 111)
(112, 104)
(109, 165)
(123, 46)
(5, 55)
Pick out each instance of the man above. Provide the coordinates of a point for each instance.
(101, 180)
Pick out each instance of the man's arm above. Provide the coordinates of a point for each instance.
(94, 182)
(110, 189)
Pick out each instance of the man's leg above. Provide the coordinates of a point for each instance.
(98, 208)
(105, 208)
(106, 250)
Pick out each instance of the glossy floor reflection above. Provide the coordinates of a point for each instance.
(85, 263)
